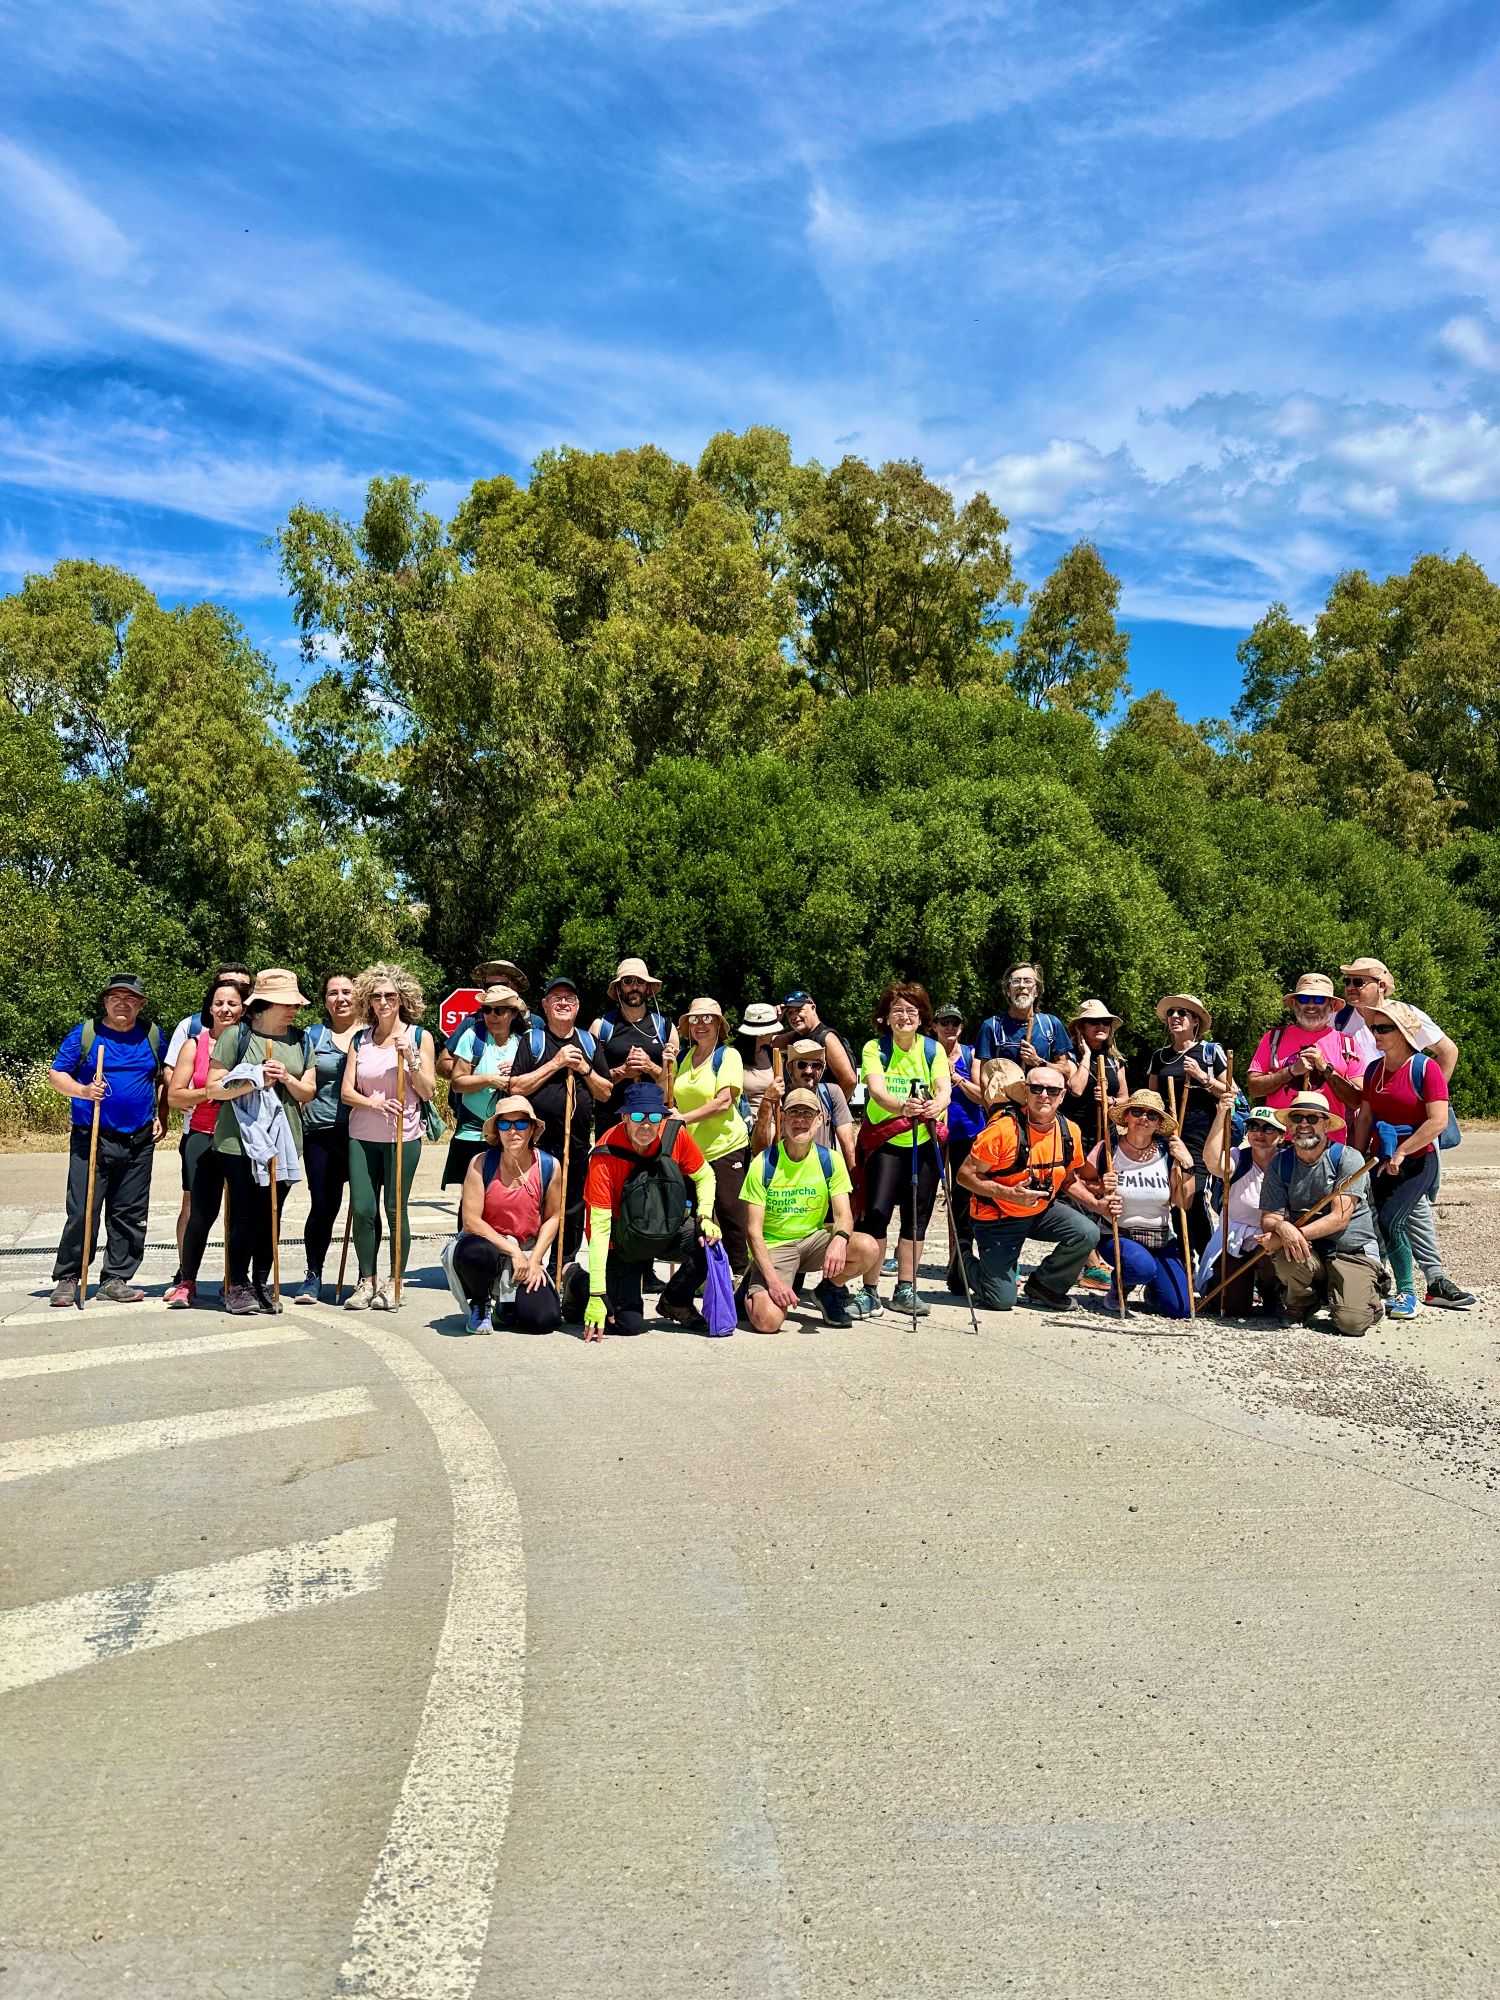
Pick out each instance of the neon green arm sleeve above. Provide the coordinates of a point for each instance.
(600, 1222)
(708, 1189)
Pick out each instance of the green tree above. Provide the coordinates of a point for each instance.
(1070, 653)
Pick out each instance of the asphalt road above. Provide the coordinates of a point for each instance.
(1065, 1660)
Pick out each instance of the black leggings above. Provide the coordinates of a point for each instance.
(249, 1218)
(325, 1158)
(888, 1186)
(477, 1263)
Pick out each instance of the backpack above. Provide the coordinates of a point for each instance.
(1022, 1161)
(537, 1041)
(661, 1026)
(1450, 1135)
(656, 1203)
(771, 1159)
(1286, 1162)
(685, 1060)
(309, 1047)
(89, 1034)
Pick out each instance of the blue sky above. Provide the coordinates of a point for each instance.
(1216, 284)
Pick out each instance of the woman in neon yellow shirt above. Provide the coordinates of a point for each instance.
(907, 1083)
(709, 1084)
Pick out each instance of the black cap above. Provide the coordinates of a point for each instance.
(559, 979)
(124, 982)
(948, 1013)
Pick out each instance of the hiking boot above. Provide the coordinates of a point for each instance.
(64, 1292)
(183, 1293)
(1402, 1306)
(119, 1293)
(1443, 1292)
(575, 1293)
(266, 1300)
(310, 1291)
(686, 1315)
(871, 1305)
(362, 1297)
(905, 1300)
(479, 1320)
(240, 1300)
(835, 1305)
(1041, 1300)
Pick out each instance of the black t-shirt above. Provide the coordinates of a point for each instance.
(551, 1101)
(618, 1038)
(1085, 1109)
(1202, 1107)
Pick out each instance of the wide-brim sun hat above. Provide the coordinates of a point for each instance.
(1375, 967)
(276, 987)
(500, 972)
(511, 1107)
(503, 996)
(1184, 1000)
(808, 1049)
(1095, 1011)
(759, 1020)
(1309, 1100)
(1312, 982)
(1002, 1079)
(1403, 1016)
(1146, 1100)
(704, 1006)
(632, 968)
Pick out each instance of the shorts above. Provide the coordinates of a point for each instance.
(192, 1147)
(787, 1259)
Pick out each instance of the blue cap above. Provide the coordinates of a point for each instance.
(797, 999)
(644, 1096)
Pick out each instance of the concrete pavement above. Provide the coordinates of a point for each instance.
(1066, 1660)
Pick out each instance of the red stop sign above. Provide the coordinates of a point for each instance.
(461, 1001)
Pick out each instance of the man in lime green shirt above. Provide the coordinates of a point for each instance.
(793, 1192)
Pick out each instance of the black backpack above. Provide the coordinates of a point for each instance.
(1022, 1161)
(657, 1203)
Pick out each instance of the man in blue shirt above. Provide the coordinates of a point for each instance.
(130, 1123)
(1023, 1034)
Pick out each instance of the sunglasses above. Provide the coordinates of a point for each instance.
(1304, 1118)
(1181, 1014)
(646, 1117)
(1154, 1116)
(1384, 1028)
(1367, 980)
(512, 1124)
(384, 999)
(1045, 1089)
(501, 1009)
(809, 1068)
(700, 1020)
(1312, 999)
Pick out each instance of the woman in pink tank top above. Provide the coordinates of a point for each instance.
(510, 1215)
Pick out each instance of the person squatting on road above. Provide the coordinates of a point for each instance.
(509, 1214)
(1332, 1258)
(1153, 1175)
(1027, 1155)
(112, 1061)
(389, 1004)
(907, 1082)
(1234, 1265)
(650, 1193)
(792, 1192)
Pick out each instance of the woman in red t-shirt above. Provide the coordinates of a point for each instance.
(1410, 1098)
(509, 1223)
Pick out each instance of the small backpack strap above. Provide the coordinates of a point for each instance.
(491, 1165)
(768, 1164)
(825, 1161)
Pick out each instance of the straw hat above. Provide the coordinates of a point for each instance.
(801, 1100)
(1146, 1100)
(511, 1107)
(1095, 1010)
(1312, 982)
(809, 1050)
(1184, 1000)
(503, 996)
(721, 1026)
(1310, 1100)
(632, 968)
(278, 988)
(1376, 968)
(1002, 1079)
(760, 1020)
(493, 971)
(1403, 1017)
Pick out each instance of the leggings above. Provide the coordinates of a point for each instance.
(1160, 1271)
(477, 1263)
(372, 1176)
(1396, 1195)
(325, 1156)
(888, 1186)
(729, 1210)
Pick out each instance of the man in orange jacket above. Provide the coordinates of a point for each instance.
(1025, 1157)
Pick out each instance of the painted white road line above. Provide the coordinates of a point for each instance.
(40, 1641)
(16, 1367)
(61, 1450)
(421, 1929)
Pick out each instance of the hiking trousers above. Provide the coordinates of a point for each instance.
(372, 1178)
(122, 1189)
(992, 1273)
(1349, 1284)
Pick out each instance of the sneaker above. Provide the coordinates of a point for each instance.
(119, 1293)
(362, 1297)
(65, 1292)
(1402, 1306)
(479, 1320)
(266, 1300)
(240, 1300)
(383, 1298)
(1097, 1278)
(688, 1316)
(1041, 1300)
(871, 1305)
(854, 1302)
(180, 1294)
(1443, 1292)
(905, 1300)
(310, 1291)
(835, 1306)
(890, 1267)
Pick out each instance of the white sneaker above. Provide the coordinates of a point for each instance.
(362, 1297)
(384, 1299)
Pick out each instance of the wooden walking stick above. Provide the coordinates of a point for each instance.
(338, 1297)
(88, 1206)
(396, 1200)
(1187, 1247)
(1307, 1216)
(1109, 1167)
(275, 1242)
(562, 1226)
(1228, 1127)
(778, 1070)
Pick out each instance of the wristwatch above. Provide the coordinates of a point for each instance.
(840, 1232)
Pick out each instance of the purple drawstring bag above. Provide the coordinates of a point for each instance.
(718, 1293)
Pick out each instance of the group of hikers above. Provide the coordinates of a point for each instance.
(755, 1160)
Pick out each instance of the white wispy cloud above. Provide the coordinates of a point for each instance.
(55, 218)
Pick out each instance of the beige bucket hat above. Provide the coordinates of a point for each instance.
(759, 1021)
(511, 1107)
(1312, 982)
(500, 971)
(1184, 1000)
(1095, 1010)
(1002, 1079)
(721, 1026)
(278, 988)
(503, 996)
(632, 968)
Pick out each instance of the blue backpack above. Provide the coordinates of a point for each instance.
(491, 1167)
(1389, 1136)
(771, 1159)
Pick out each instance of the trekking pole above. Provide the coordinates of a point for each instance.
(1187, 1247)
(338, 1297)
(1307, 1216)
(916, 1243)
(963, 1268)
(275, 1243)
(562, 1227)
(88, 1206)
(1109, 1167)
(396, 1196)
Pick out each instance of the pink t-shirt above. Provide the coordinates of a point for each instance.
(205, 1115)
(375, 1076)
(1279, 1046)
(1392, 1095)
